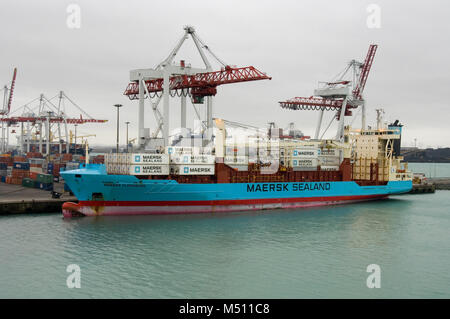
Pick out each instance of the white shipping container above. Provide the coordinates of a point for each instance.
(172, 150)
(124, 169)
(329, 160)
(329, 152)
(144, 158)
(306, 162)
(305, 152)
(150, 169)
(193, 169)
(124, 158)
(110, 168)
(111, 158)
(202, 150)
(193, 159)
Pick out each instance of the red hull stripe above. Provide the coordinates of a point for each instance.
(229, 202)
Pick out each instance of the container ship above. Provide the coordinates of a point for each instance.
(215, 171)
(294, 173)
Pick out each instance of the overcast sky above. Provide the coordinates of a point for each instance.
(298, 43)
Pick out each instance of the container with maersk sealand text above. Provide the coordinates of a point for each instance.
(305, 153)
(148, 169)
(144, 158)
(192, 169)
(137, 158)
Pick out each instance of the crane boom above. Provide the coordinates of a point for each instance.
(11, 91)
(19, 119)
(201, 84)
(333, 103)
(357, 93)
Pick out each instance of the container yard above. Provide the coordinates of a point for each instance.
(46, 144)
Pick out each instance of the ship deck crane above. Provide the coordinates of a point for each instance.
(340, 95)
(168, 80)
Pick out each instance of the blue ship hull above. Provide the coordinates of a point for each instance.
(102, 194)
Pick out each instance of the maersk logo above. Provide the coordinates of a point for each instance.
(185, 159)
(170, 150)
(295, 153)
(137, 158)
(186, 170)
(295, 163)
(137, 169)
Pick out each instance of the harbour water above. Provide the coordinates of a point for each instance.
(305, 253)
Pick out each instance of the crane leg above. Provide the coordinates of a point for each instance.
(363, 116)
(183, 111)
(21, 137)
(340, 132)
(166, 96)
(28, 136)
(319, 123)
(141, 136)
(40, 137)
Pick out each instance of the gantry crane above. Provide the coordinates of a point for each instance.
(167, 79)
(46, 116)
(339, 95)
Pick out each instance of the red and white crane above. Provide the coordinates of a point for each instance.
(339, 95)
(43, 117)
(6, 107)
(181, 80)
(8, 95)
